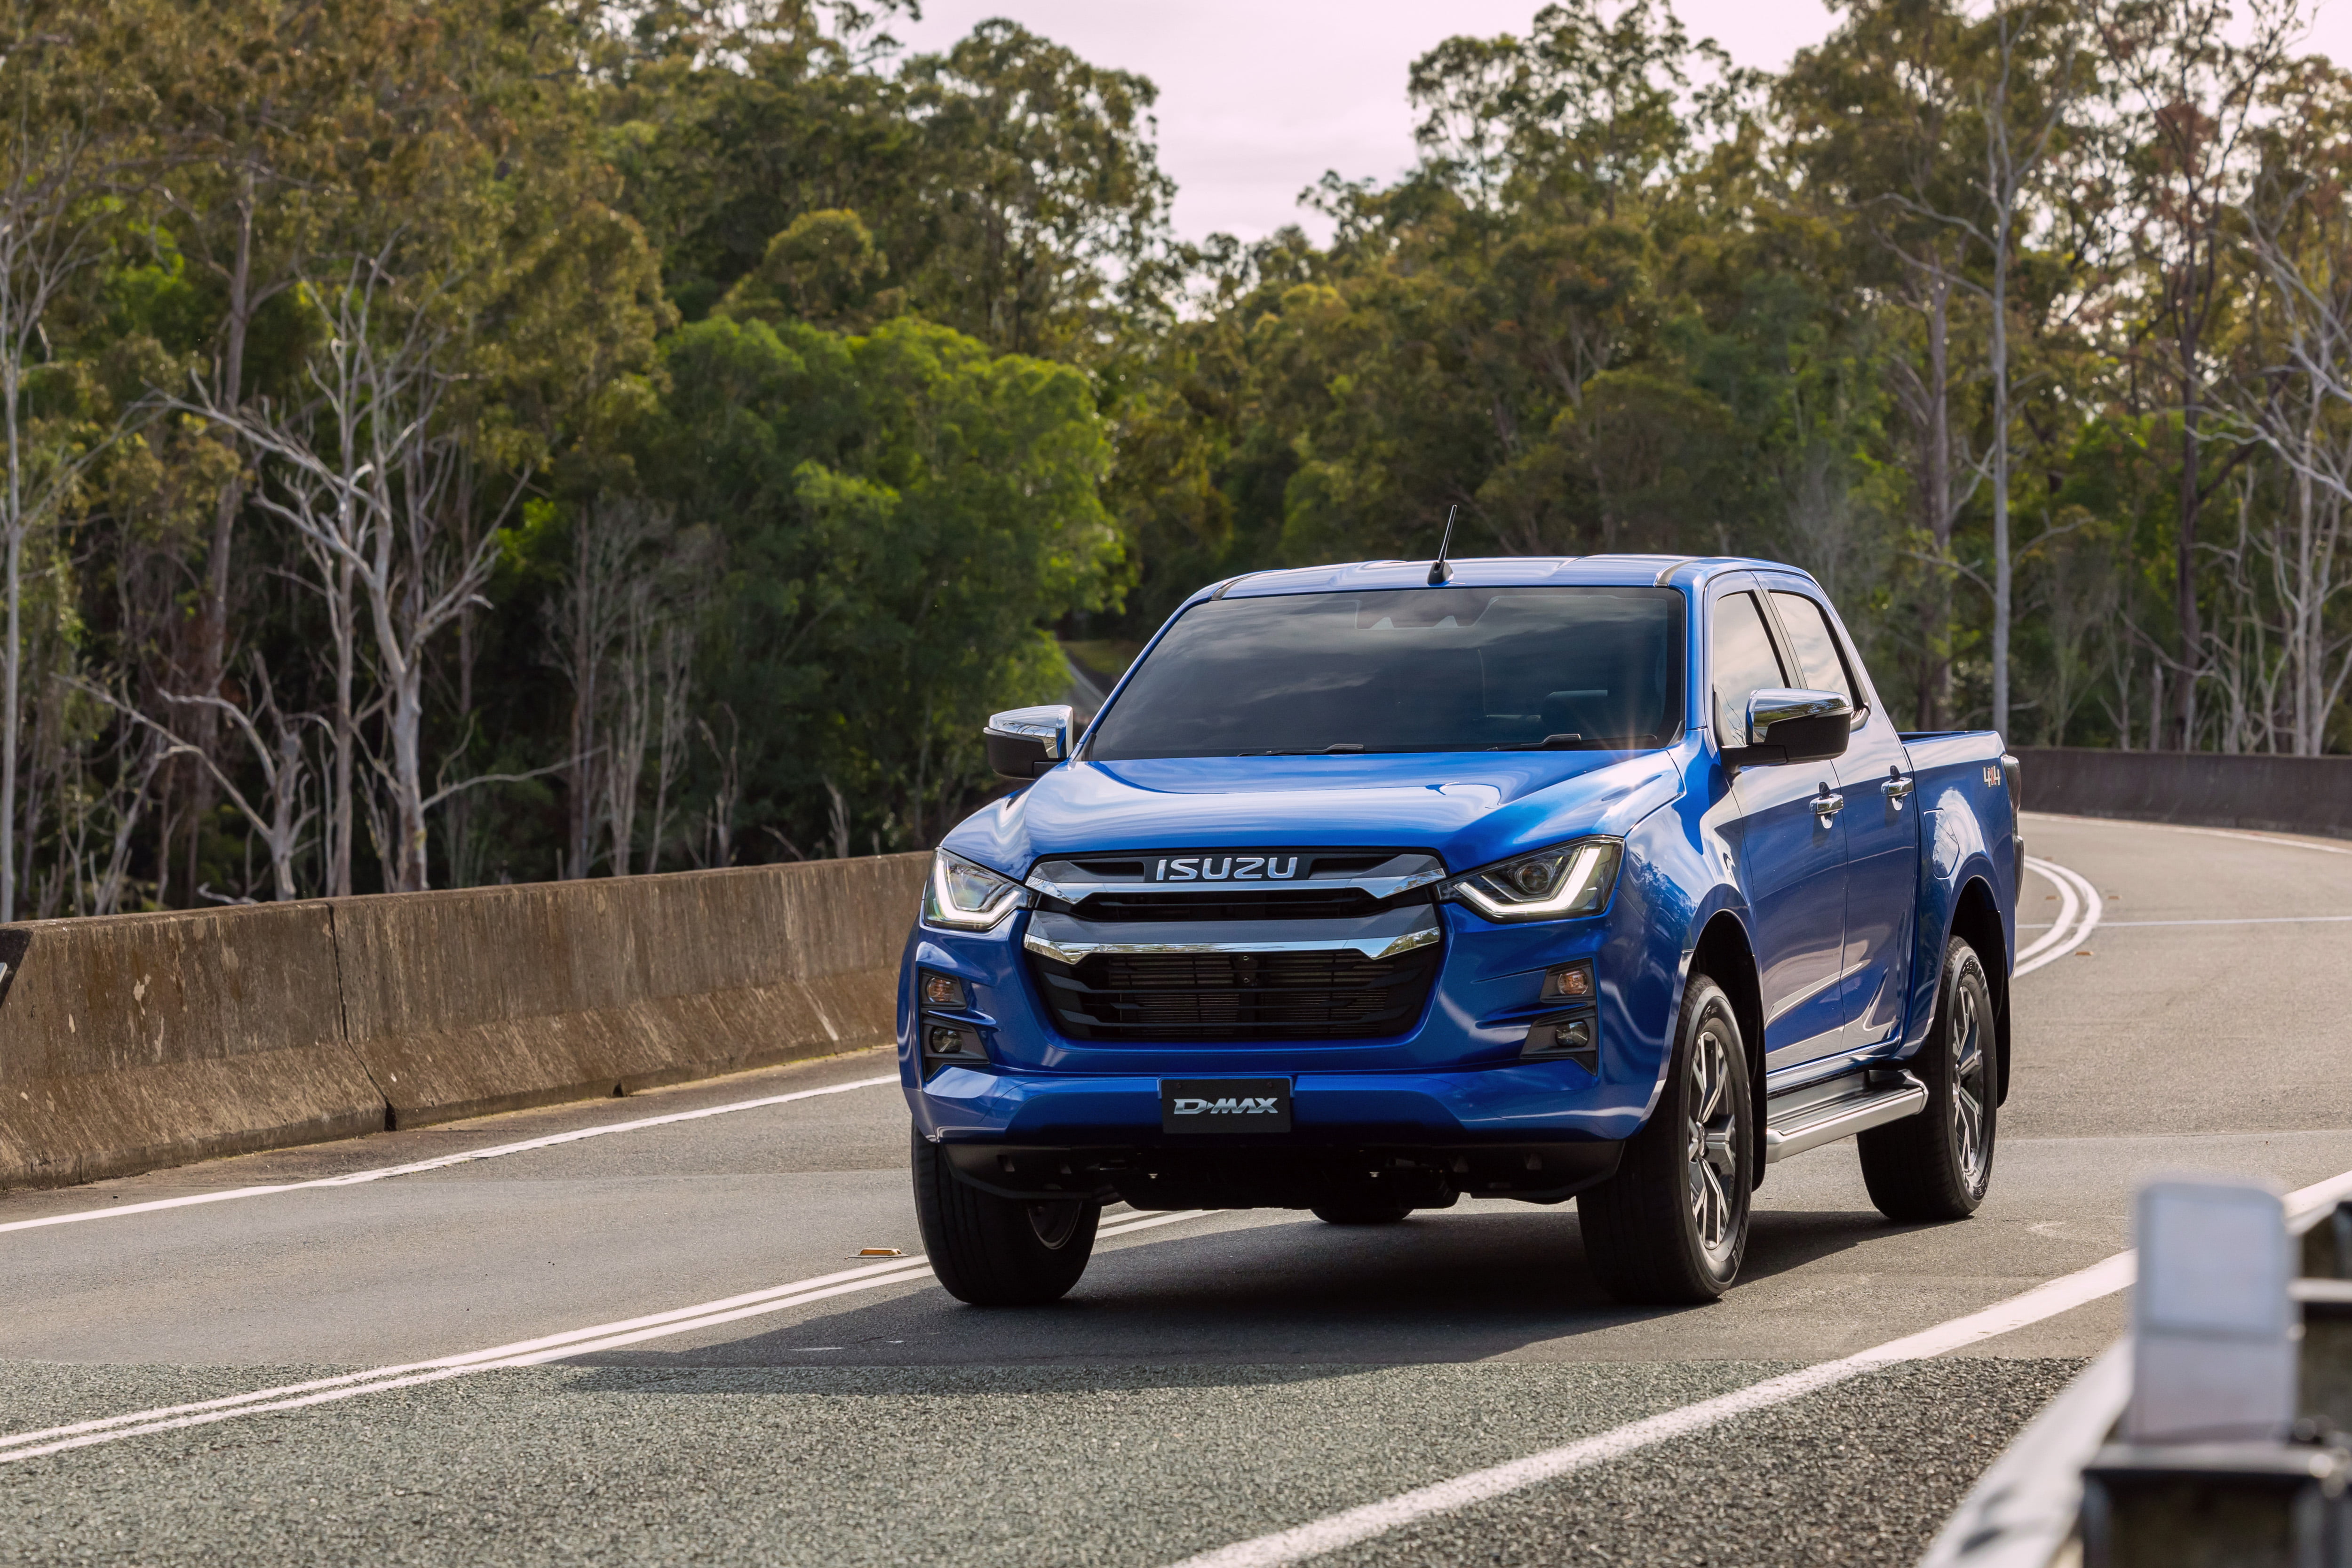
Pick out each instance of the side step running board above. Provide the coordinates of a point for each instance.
(1827, 1120)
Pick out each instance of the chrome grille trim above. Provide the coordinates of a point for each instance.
(1066, 878)
(1375, 947)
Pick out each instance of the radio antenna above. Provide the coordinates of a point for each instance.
(1439, 571)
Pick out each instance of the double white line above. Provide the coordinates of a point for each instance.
(524, 1353)
(2079, 909)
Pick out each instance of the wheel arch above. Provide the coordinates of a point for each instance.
(1723, 955)
(1975, 919)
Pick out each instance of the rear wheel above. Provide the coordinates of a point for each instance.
(995, 1251)
(1936, 1165)
(1362, 1211)
(1671, 1225)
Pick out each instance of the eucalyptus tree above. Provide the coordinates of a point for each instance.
(71, 137)
(2195, 72)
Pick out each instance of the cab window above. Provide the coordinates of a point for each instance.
(1742, 661)
(1820, 663)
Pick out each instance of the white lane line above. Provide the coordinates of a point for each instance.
(2079, 902)
(2070, 905)
(441, 1162)
(524, 1353)
(1355, 1524)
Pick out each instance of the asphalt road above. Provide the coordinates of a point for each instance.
(1214, 1378)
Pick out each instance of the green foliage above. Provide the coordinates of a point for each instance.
(770, 399)
(902, 514)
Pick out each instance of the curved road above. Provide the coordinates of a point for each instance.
(656, 1342)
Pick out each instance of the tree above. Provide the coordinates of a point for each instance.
(2198, 89)
(67, 140)
(899, 513)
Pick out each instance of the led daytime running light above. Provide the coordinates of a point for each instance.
(1583, 887)
(947, 903)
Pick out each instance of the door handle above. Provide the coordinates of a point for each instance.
(1896, 788)
(1827, 805)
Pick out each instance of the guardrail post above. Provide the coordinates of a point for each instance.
(2203, 1477)
(2212, 1329)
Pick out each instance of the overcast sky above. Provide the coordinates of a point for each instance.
(1258, 97)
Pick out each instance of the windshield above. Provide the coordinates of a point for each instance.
(1410, 670)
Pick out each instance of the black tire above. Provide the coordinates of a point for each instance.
(1670, 1227)
(1936, 1165)
(1362, 1211)
(994, 1251)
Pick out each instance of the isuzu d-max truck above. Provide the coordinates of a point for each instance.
(1375, 887)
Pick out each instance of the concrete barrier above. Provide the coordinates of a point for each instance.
(138, 1041)
(610, 986)
(2209, 789)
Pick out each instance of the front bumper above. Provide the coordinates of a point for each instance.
(1266, 1174)
(1452, 1090)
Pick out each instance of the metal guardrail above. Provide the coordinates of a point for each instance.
(2213, 1435)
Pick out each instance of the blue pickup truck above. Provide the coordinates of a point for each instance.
(1373, 886)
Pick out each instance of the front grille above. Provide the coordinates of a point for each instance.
(1331, 994)
(1234, 904)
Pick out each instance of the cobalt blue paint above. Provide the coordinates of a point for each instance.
(1847, 918)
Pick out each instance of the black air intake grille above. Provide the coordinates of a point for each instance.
(1236, 904)
(1334, 994)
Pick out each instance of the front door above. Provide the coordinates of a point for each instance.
(1791, 848)
(1882, 829)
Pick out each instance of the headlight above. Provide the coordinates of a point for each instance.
(1549, 885)
(965, 896)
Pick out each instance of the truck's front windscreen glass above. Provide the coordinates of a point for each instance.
(1414, 669)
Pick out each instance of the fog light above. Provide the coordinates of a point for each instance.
(943, 990)
(947, 1040)
(1576, 1035)
(1568, 983)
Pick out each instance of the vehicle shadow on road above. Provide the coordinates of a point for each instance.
(1435, 1288)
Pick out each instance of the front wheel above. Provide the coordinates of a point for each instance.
(1936, 1165)
(1671, 1225)
(995, 1251)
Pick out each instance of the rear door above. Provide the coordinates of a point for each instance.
(1791, 855)
(1881, 820)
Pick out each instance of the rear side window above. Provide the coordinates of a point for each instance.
(1815, 646)
(1742, 661)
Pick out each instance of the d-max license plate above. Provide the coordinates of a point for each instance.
(1224, 1105)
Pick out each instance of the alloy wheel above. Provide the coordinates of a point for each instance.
(1712, 1118)
(1970, 1060)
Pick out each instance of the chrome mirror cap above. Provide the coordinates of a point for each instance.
(1789, 724)
(1768, 706)
(1024, 743)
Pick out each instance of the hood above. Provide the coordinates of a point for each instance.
(1468, 808)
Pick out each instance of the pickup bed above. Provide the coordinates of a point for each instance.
(1375, 887)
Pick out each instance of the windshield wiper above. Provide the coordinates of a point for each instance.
(1560, 743)
(1337, 749)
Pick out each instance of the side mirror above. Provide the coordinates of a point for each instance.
(1023, 743)
(1785, 725)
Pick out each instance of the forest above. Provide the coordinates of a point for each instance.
(455, 441)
